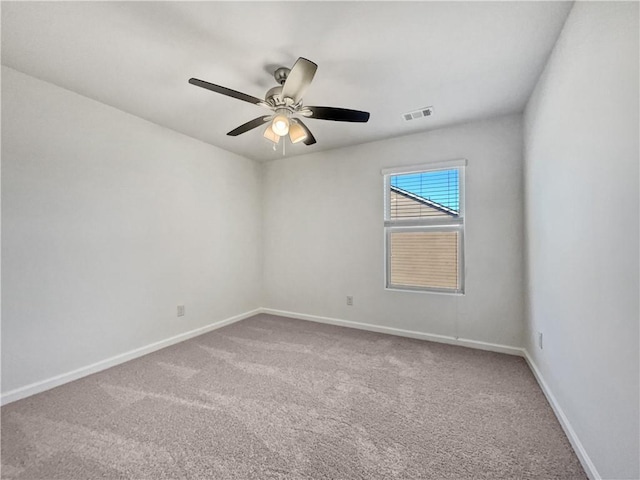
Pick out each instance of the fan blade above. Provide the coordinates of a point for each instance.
(256, 122)
(225, 91)
(338, 114)
(310, 140)
(299, 79)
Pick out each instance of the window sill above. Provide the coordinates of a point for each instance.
(433, 292)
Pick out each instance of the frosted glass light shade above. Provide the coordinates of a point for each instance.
(271, 135)
(296, 133)
(280, 125)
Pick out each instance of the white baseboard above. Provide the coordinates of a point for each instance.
(462, 342)
(41, 386)
(581, 453)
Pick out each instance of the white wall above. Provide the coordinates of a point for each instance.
(323, 234)
(581, 137)
(109, 222)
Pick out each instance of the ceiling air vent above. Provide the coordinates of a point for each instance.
(423, 112)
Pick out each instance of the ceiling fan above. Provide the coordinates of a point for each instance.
(286, 103)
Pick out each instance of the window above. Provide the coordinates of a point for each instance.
(424, 227)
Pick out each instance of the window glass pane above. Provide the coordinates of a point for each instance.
(426, 194)
(424, 259)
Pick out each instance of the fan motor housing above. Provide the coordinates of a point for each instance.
(274, 96)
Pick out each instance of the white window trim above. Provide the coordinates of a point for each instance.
(422, 224)
(446, 165)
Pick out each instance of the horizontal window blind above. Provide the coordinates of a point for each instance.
(424, 194)
(424, 259)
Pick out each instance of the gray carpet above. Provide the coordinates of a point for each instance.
(271, 397)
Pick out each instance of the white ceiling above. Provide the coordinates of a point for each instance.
(470, 60)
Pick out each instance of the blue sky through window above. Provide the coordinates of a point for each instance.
(439, 186)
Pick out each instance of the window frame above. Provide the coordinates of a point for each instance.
(425, 224)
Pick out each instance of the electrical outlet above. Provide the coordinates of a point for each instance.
(540, 340)
(181, 310)
(349, 300)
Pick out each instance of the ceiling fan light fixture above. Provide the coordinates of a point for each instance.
(269, 134)
(296, 133)
(280, 125)
(285, 104)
